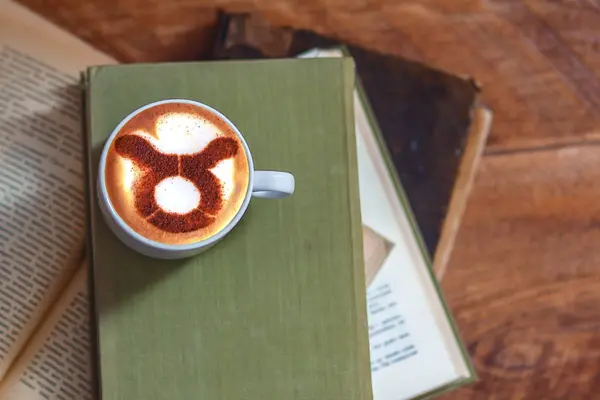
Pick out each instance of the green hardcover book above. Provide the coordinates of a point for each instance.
(277, 310)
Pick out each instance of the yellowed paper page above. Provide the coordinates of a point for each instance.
(41, 170)
(56, 365)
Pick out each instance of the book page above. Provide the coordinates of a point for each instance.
(41, 207)
(57, 363)
(41, 170)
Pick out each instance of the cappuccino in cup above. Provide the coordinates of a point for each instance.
(176, 175)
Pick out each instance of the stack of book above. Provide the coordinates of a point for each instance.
(337, 299)
(430, 122)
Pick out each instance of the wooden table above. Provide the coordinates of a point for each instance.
(524, 280)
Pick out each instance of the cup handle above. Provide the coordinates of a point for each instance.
(273, 184)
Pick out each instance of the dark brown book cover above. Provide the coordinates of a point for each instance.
(430, 120)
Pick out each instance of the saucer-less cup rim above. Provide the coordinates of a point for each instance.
(168, 248)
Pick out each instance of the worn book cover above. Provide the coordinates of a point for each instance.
(278, 308)
(430, 121)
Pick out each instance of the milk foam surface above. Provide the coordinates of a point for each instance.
(181, 133)
(176, 195)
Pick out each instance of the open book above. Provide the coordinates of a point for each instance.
(44, 321)
(43, 287)
(414, 347)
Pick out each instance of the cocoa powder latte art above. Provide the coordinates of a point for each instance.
(176, 173)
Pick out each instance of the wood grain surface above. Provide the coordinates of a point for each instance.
(523, 281)
(538, 60)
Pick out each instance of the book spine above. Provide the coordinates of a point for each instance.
(90, 181)
(362, 340)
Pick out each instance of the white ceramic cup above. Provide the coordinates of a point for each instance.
(265, 184)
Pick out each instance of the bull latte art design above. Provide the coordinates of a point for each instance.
(176, 173)
(194, 168)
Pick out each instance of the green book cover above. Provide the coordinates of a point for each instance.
(277, 309)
